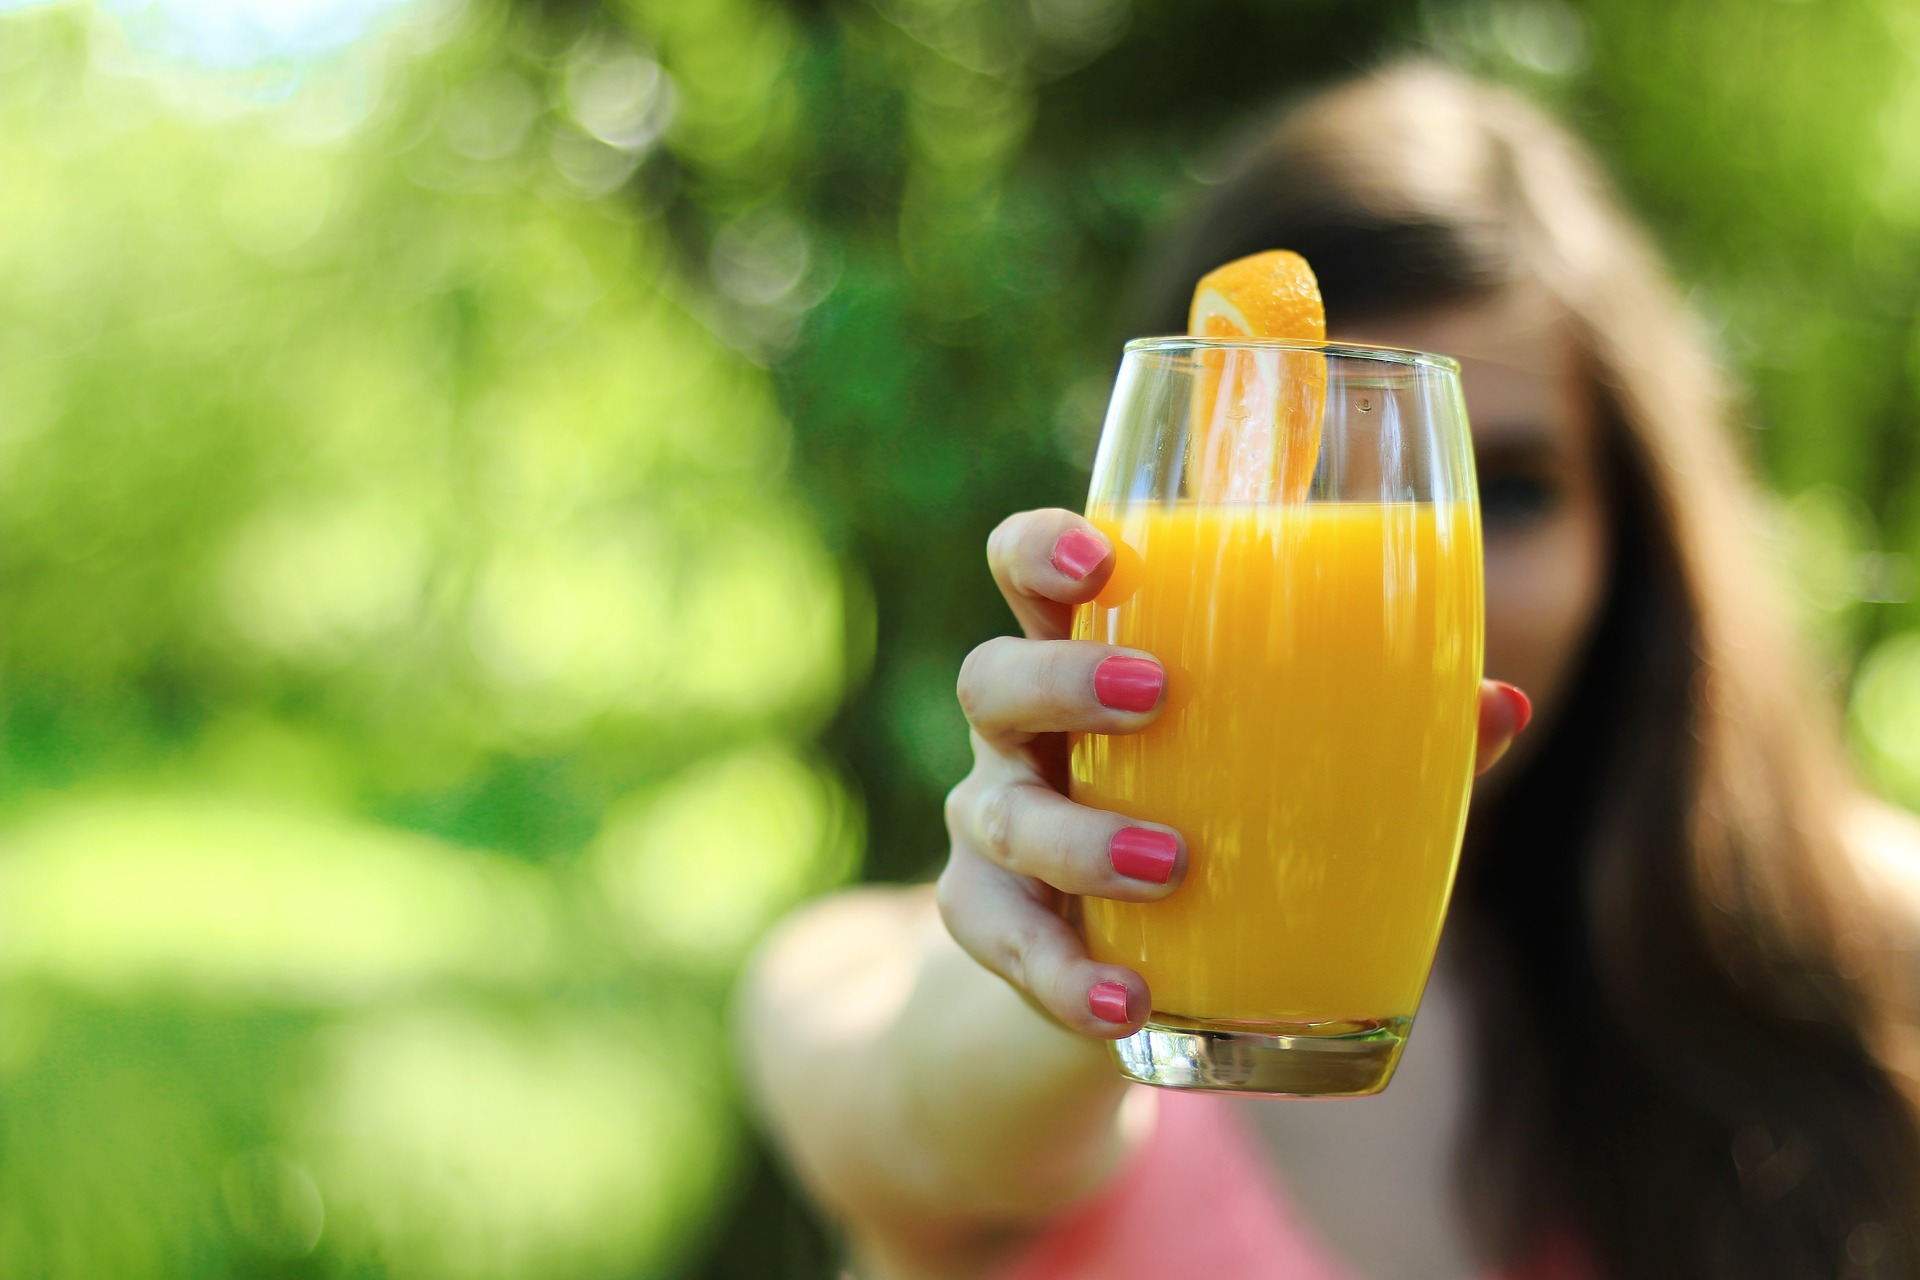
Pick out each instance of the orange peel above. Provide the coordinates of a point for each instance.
(1255, 433)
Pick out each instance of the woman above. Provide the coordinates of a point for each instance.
(1665, 1035)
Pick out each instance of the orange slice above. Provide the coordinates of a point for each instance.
(1256, 414)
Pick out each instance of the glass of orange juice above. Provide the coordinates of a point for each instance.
(1314, 593)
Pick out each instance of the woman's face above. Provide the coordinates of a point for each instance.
(1537, 450)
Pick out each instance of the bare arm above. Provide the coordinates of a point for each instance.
(925, 1104)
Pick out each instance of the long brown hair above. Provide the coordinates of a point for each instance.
(1685, 1031)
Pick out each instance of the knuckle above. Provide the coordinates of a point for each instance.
(976, 676)
(947, 896)
(970, 683)
(955, 808)
(995, 823)
(1018, 950)
(1004, 540)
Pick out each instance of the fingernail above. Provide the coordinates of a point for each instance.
(1521, 704)
(1143, 854)
(1078, 553)
(1130, 684)
(1108, 1001)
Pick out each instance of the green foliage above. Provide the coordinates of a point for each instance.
(413, 647)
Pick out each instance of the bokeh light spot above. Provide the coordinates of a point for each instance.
(694, 870)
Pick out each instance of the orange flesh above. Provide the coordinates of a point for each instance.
(1256, 414)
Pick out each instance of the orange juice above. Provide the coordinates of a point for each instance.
(1316, 750)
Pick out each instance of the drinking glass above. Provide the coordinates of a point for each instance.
(1315, 598)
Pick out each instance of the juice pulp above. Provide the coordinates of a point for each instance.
(1316, 750)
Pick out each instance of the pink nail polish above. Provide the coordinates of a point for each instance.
(1129, 684)
(1108, 1001)
(1078, 553)
(1521, 704)
(1143, 854)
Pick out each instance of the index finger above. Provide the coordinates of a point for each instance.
(1045, 562)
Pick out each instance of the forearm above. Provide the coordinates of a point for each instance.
(917, 1095)
(1020, 1113)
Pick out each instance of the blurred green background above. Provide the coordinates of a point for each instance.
(491, 504)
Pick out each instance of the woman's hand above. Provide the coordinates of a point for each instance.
(1019, 846)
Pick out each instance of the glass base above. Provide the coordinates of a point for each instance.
(1294, 1060)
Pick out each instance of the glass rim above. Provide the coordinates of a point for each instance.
(1385, 355)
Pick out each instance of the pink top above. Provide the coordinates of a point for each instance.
(1200, 1201)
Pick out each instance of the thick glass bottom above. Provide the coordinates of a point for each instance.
(1296, 1060)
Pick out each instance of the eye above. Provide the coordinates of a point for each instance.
(1514, 499)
